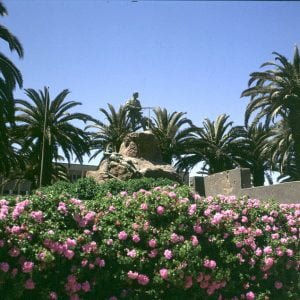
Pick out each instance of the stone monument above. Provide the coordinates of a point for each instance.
(139, 156)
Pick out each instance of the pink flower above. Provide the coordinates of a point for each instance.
(258, 252)
(122, 235)
(71, 243)
(152, 243)
(132, 275)
(85, 286)
(244, 219)
(269, 261)
(211, 264)
(29, 284)
(53, 296)
(268, 250)
(69, 254)
(4, 266)
(194, 240)
(188, 282)
(136, 238)
(153, 253)
(163, 273)
(27, 266)
(143, 279)
(37, 216)
(192, 209)
(144, 206)
(289, 252)
(250, 296)
(174, 238)
(131, 253)
(111, 208)
(160, 210)
(278, 285)
(198, 229)
(14, 252)
(168, 254)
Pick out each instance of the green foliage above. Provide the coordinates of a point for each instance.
(88, 189)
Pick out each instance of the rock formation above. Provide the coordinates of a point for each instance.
(139, 156)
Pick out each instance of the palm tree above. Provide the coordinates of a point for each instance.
(45, 127)
(280, 148)
(275, 93)
(212, 146)
(112, 133)
(10, 76)
(251, 150)
(170, 131)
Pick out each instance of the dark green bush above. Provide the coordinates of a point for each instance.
(88, 189)
(115, 186)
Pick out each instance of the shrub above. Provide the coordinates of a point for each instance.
(88, 189)
(161, 244)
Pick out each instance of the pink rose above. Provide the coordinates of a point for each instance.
(168, 254)
(132, 275)
(163, 273)
(144, 206)
(29, 284)
(122, 235)
(131, 253)
(160, 210)
(152, 243)
(85, 286)
(27, 266)
(250, 296)
(143, 279)
(136, 238)
(278, 285)
(4, 266)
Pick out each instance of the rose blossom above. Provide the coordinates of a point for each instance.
(250, 296)
(122, 235)
(160, 210)
(136, 238)
(27, 266)
(143, 279)
(29, 284)
(152, 243)
(163, 273)
(278, 285)
(131, 253)
(132, 275)
(168, 254)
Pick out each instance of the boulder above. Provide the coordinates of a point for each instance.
(139, 156)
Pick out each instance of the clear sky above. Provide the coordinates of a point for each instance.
(186, 56)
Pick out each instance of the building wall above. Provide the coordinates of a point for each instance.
(238, 182)
(74, 171)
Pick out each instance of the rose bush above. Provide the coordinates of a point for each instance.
(166, 243)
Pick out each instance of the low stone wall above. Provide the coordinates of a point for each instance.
(238, 182)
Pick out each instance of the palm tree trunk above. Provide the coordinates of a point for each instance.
(258, 174)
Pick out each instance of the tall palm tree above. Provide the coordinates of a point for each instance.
(112, 132)
(45, 127)
(280, 148)
(212, 146)
(171, 130)
(10, 76)
(275, 93)
(251, 151)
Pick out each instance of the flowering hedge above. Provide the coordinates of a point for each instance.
(161, 244)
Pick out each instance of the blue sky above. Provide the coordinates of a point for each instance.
(186, 56)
